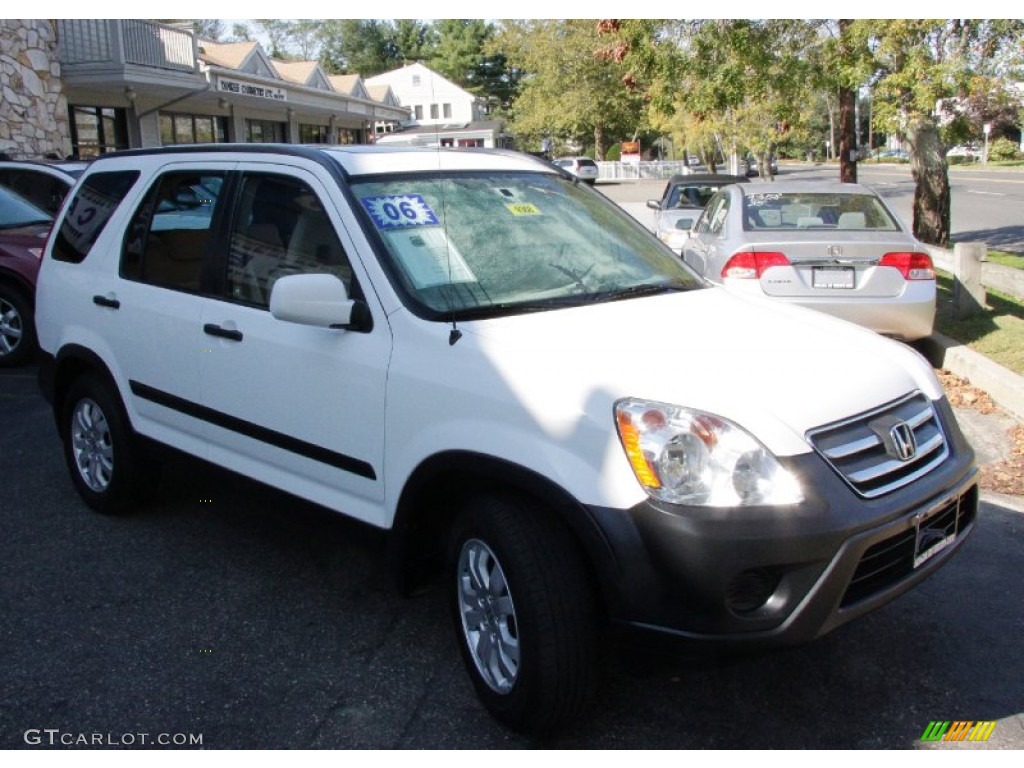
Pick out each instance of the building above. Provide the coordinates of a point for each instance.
(120, 83)
(443, 114)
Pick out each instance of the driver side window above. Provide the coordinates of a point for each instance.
(280, 228)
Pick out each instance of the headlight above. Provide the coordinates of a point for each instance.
(674, 238)
(684, 456)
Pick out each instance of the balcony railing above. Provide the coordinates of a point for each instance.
(126, 41)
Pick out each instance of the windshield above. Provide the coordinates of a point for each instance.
(16, 211)
(491, 243)
(779, 211)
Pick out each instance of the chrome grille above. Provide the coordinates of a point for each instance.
(861, 451)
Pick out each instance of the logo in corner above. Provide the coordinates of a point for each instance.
(959, 730)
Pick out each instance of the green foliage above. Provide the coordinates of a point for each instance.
(575, 88)
(614, 152)
(1003, 149)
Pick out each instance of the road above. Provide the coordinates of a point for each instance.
(986, 205)
(227, 610)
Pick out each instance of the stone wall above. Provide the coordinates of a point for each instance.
(33, 108)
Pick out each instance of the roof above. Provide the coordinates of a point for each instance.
(700, 178)
(479, 125)
(344, 83)
(295, 71)
(231, 55)
(823, 187)
(354, 159)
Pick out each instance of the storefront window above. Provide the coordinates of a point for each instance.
(348, 136)
(313, 134)
(264, 131)
(96, 130)
(192, 129)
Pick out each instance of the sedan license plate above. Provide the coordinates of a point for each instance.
(832, 277)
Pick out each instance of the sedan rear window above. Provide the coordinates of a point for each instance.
(779, 211)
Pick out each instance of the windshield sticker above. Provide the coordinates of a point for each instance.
(523, 209)
(429, 257)
(761, 198)
(394, 211)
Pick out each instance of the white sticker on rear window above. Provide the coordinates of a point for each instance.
(392, 211)
(760, 198)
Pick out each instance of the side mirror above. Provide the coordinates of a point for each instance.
(319, 300)
(655, 204)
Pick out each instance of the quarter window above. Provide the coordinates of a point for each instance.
(280, 228)
(90, 210)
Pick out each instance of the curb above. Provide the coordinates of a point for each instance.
(1005, 386)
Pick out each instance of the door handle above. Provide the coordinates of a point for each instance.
(106, 301)
(223, 333)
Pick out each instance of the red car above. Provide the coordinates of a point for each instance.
(23, 231)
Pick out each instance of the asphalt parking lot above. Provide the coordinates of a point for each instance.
(227, 610)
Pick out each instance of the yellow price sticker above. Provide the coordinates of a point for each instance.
(523, 209)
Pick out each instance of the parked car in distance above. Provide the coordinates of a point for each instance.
(581, 167)
(546, 410)
(23, 231)
(681, 204)
(44, 183)
(835, 248)
(966, 151)
(892, 155)
(752, 169)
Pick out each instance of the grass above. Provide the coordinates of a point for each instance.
(997, 333)
(1006, 259)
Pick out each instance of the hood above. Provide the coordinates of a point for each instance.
(776, 370)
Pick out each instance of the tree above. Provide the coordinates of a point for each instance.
(414, 40)
(918, 63)
(361, 46)
(742, 80)
(459, 49)
(575, 87)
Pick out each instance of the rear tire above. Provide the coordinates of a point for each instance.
(17, 328)
(524, 613)
(109, 466)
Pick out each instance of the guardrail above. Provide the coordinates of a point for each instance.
(995, 276)
(649, 169)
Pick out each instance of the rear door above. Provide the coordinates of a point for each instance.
(150, 307)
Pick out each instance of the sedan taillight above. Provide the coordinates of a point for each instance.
(913, 266)
(751, 265)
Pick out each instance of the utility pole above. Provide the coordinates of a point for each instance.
(847, 121)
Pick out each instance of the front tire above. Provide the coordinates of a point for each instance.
(524, 614)
(108, 466)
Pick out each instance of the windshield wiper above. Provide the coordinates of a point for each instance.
(647, 289)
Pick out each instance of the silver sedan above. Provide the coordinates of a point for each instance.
(835, 248)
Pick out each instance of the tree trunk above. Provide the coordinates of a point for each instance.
(931, 182)
(847, 134)
(599, 147)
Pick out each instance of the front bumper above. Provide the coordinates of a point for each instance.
(762, 576)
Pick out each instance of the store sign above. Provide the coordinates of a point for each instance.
(249, 89)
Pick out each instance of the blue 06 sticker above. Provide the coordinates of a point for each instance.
(390, 211)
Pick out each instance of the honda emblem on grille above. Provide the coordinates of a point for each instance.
(903, 443)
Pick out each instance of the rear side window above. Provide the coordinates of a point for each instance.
(170, 233)
(91, 208)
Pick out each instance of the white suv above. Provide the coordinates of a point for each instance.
(498, 366)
